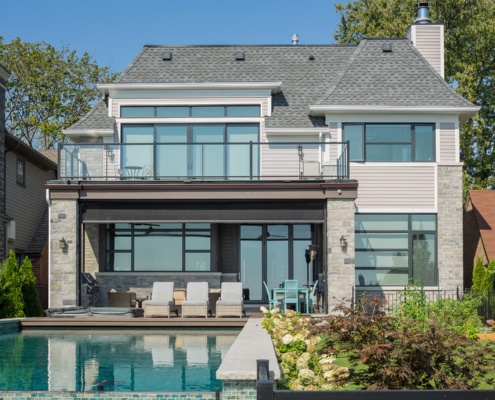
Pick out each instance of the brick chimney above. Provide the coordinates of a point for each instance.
(427, 37)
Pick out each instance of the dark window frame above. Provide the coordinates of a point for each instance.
(134, 227)
(411, 233)
(192, 108)
(411, 143)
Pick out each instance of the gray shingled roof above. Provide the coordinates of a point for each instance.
(96, 118)
(339, 75)
(398, 78)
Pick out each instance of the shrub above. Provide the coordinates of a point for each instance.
(408, 354)
(459, 316)
(11, 299)
(479, 275)
(32, 305)
(302, 366)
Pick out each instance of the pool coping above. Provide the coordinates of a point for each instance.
(253, 343)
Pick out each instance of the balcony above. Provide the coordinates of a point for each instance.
(204, 161)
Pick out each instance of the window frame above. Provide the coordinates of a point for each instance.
(412, 143)
(411, 233)
(20, 178)
(134, 231)
(191, 109)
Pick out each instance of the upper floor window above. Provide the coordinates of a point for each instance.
(390, 142)
(21, 172)
(190, 111)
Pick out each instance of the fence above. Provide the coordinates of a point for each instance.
(393, 298)
(266, 390)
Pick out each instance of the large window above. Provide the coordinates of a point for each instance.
(396, 249)
(189, 111)
(192, 150)
(158, 247)
(390, 142)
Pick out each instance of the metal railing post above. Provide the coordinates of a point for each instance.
(264, 386)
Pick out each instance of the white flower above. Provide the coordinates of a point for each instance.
(264, 310)
(287, 339)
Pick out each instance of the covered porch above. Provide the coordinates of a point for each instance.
(128, 236)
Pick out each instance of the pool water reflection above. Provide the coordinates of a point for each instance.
(113, 360)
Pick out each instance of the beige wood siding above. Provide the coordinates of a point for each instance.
(429, 42)
(281, 161)
(448, 148)
(395, 186)
(25, 204)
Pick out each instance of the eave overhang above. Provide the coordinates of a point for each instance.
(464, 113)
(89, 132)
(160, 191)
(296, 131)
(112, 88)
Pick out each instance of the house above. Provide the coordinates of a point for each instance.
(23, 205)
(226, 163)
(26, 208)
(4, 77)
(479, 233)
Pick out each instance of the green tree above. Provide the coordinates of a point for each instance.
(11, 299)
(479, 275)
(32, 305)
(469, 63)
(49, 90)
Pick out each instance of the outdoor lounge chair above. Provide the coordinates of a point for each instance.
(230, 302)
(162, 297)
(196, 302)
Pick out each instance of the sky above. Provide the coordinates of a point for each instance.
(114, 31)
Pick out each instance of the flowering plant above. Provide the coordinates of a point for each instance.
(303, 366)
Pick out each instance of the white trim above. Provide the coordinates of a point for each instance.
(89, 132)
(442, 51)
(457, 142)
(323, 109)
(296, 131)
(388, 210)
(274, 86)
(189, 120)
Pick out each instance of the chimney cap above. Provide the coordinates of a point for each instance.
(295, 38)
(423, 17)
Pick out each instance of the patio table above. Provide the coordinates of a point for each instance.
(277, 293)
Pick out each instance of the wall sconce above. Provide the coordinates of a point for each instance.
(343, 242)
(62, 244)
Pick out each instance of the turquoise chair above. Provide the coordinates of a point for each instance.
(272, 303)
(291, 294)
(308, 303)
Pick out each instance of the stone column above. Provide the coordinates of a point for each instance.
(63, 262)
(340, 261)
(450, 241)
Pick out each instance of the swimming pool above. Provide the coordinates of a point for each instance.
(113, 360)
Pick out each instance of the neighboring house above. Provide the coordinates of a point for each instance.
(479, 230)
(27, 172)
(224, 163)
(4, 77)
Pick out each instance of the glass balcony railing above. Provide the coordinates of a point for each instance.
(204, 161)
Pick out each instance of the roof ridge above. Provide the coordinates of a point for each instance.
(343, 72)
(437, 75)
(132, 63)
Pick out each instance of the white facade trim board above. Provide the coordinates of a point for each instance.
(89, 132)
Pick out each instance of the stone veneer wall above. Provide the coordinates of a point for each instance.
(450, 218)
(340, 261)
(91, 248)
(63, 270)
